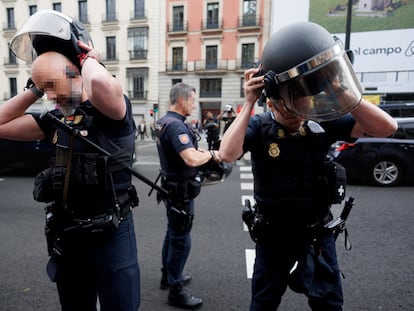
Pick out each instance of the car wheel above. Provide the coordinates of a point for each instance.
(386, 173)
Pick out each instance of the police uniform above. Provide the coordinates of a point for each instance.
(91, 231)
(181, 181)
(291, 195)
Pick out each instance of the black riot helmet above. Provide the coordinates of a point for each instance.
(49, 30)
(304, 60)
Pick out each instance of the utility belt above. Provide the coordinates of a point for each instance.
(263, 225)
(181, 192)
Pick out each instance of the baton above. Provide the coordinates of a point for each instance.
(46, 115)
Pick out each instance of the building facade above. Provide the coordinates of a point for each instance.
(209, 44)
(127, 33)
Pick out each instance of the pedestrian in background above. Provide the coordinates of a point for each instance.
(212, 126)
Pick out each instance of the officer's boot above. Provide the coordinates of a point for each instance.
(178, 297)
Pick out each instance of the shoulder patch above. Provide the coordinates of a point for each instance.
(184, 139)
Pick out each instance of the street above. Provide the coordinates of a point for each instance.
(379, 273)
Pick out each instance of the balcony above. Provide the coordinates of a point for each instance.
(176, 67)
(138, 55)
(249, 22)
(177, 28)
(138, 95)
(203, 66)
(211, 25)
(243, 64)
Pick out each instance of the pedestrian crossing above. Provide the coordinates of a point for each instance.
(246, 185)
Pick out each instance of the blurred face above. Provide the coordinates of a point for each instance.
(188, 104)
(60, 81)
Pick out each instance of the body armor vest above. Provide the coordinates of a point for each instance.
(96, 181)
(289, 171)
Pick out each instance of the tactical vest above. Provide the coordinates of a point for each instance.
(289, 171)
(96, 181)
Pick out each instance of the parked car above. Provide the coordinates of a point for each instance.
(379, 161)
(403, 110)
(24, 157)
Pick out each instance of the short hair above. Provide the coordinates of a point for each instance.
(180, 90)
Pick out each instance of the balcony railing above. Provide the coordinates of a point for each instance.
(249, 21)
(138, 94)
(177, 27)
(242, 64)
(203, 65)
(138, 54)
(174, 66)
(211, 24)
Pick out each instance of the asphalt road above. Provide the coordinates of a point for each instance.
(378, 270)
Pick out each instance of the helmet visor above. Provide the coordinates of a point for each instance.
(324, 92)
(45, 22)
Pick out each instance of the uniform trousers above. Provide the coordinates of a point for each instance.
(176, 246)
(100, 264)
(274, 261)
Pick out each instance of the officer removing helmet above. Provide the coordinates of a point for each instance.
(89, 195)
(315, 99)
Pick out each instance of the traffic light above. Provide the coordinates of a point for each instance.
(151, 112)
(155, 108)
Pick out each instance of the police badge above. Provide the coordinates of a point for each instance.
(274, 150)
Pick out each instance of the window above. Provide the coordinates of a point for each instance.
(57, 6)
(211, 57)
(110, 10)
(249, 12)
(110, 48)
(12, 57)
(10, 18)
(178, 18)
(210, 87)
(32, 9)
(139, 9)
(175, 81)
(177, 58)
(212, 15)
(138, 42)
(83, 11)
(247, 55)
(13, 87)
(137, 79)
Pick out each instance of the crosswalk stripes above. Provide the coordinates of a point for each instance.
(246, 185)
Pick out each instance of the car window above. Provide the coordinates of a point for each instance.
(405, 131)
(409, 130)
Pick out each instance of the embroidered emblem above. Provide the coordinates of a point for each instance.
(274, 150)
(280, 133)
(77, 119)
(184, 139)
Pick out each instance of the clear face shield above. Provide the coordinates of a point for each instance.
(46, 23)
(322, 88)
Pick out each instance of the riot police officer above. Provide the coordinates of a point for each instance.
(89, 225)
(316, 100)
(180, 158)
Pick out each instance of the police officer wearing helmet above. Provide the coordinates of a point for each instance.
(89, 224)
(180, 159)
(308, 79)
